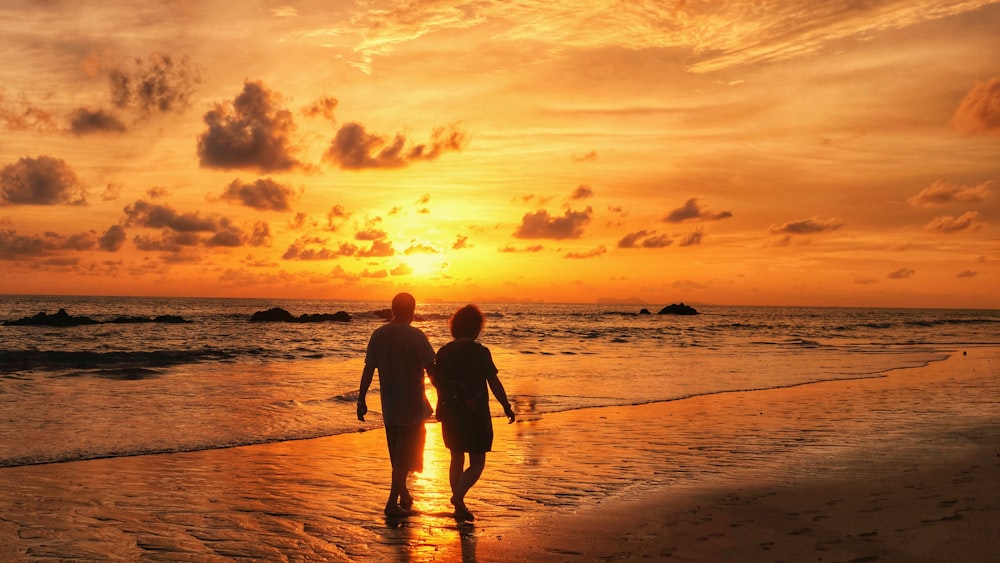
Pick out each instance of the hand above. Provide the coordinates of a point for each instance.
(362, 410)
(509, 413)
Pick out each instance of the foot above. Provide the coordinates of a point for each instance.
(394, 510)
(461, 511)
(462, 514)
(406, 502)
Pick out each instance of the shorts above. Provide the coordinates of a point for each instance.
(406, 446)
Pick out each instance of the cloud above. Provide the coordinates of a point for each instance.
(509, 249)
(323, 107)
(967, 274)
(377, 274)
(299, 250)
(807, 226)
(160, 84)
(112, 239)
(264, 194)
(378, 249)
(968, 221)
(354, 148)
(401, 270)
(336, 217)
(14, 246)
(540, 225)
(901, 274)
(84, 121)
(40, 181)
(979, 111)
(251, 132)
(582, 192)
(588, 157)
(693, 238)
(461, 242)
(945, 193)
(693, 211)
(184, 229)
(420, 249)
(24, 116)
(644, 239)
(370, 233)
(593, 253)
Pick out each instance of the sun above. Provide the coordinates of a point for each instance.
(424, 265)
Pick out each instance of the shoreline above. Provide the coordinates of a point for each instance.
(757, 475)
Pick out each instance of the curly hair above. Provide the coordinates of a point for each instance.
(467, 322)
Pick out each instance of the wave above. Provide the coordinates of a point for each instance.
(21, 360)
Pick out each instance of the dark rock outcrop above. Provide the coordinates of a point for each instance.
(678, 309)
(644, 312)
(279, 315)
(62, 318)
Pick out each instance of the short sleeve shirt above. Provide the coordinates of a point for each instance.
(400, 353)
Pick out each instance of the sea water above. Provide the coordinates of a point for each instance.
(219, 380)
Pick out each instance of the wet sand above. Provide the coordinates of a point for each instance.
(898, 468)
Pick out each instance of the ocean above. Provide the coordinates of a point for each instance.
(218, 380)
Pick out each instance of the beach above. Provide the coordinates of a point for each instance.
(891, 468)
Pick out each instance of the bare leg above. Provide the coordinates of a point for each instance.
(463, 480)
(396, 490)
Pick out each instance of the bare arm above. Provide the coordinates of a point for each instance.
(366, 382)
(498, 391)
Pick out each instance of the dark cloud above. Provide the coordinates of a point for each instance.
(353, 148)
(322, 107)
(541, 225)
(968, 221)
(593, 253)
(945, 193)
(251, 132)
(112, 239)
(84, 121)
(807, 226)
(299, 250)
(967, 274)
(460, 242)
(901, 274)
(40, 181)
(644, 239)
(160, 84)
(582, 192)
(692, 238)
(264, 194)
(377, 274)
(111, 192)
(979, 111)
(14, 246)
(186, 229)
(693, 211)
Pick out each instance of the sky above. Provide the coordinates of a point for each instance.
(799, 152)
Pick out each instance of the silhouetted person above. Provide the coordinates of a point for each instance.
(461, 374)
(400, 353)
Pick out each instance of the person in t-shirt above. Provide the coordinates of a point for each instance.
(462, 372)
(400, 353)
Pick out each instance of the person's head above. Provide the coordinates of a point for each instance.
(467, 322)
(403, 307)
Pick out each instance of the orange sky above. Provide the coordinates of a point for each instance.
(785, 153)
